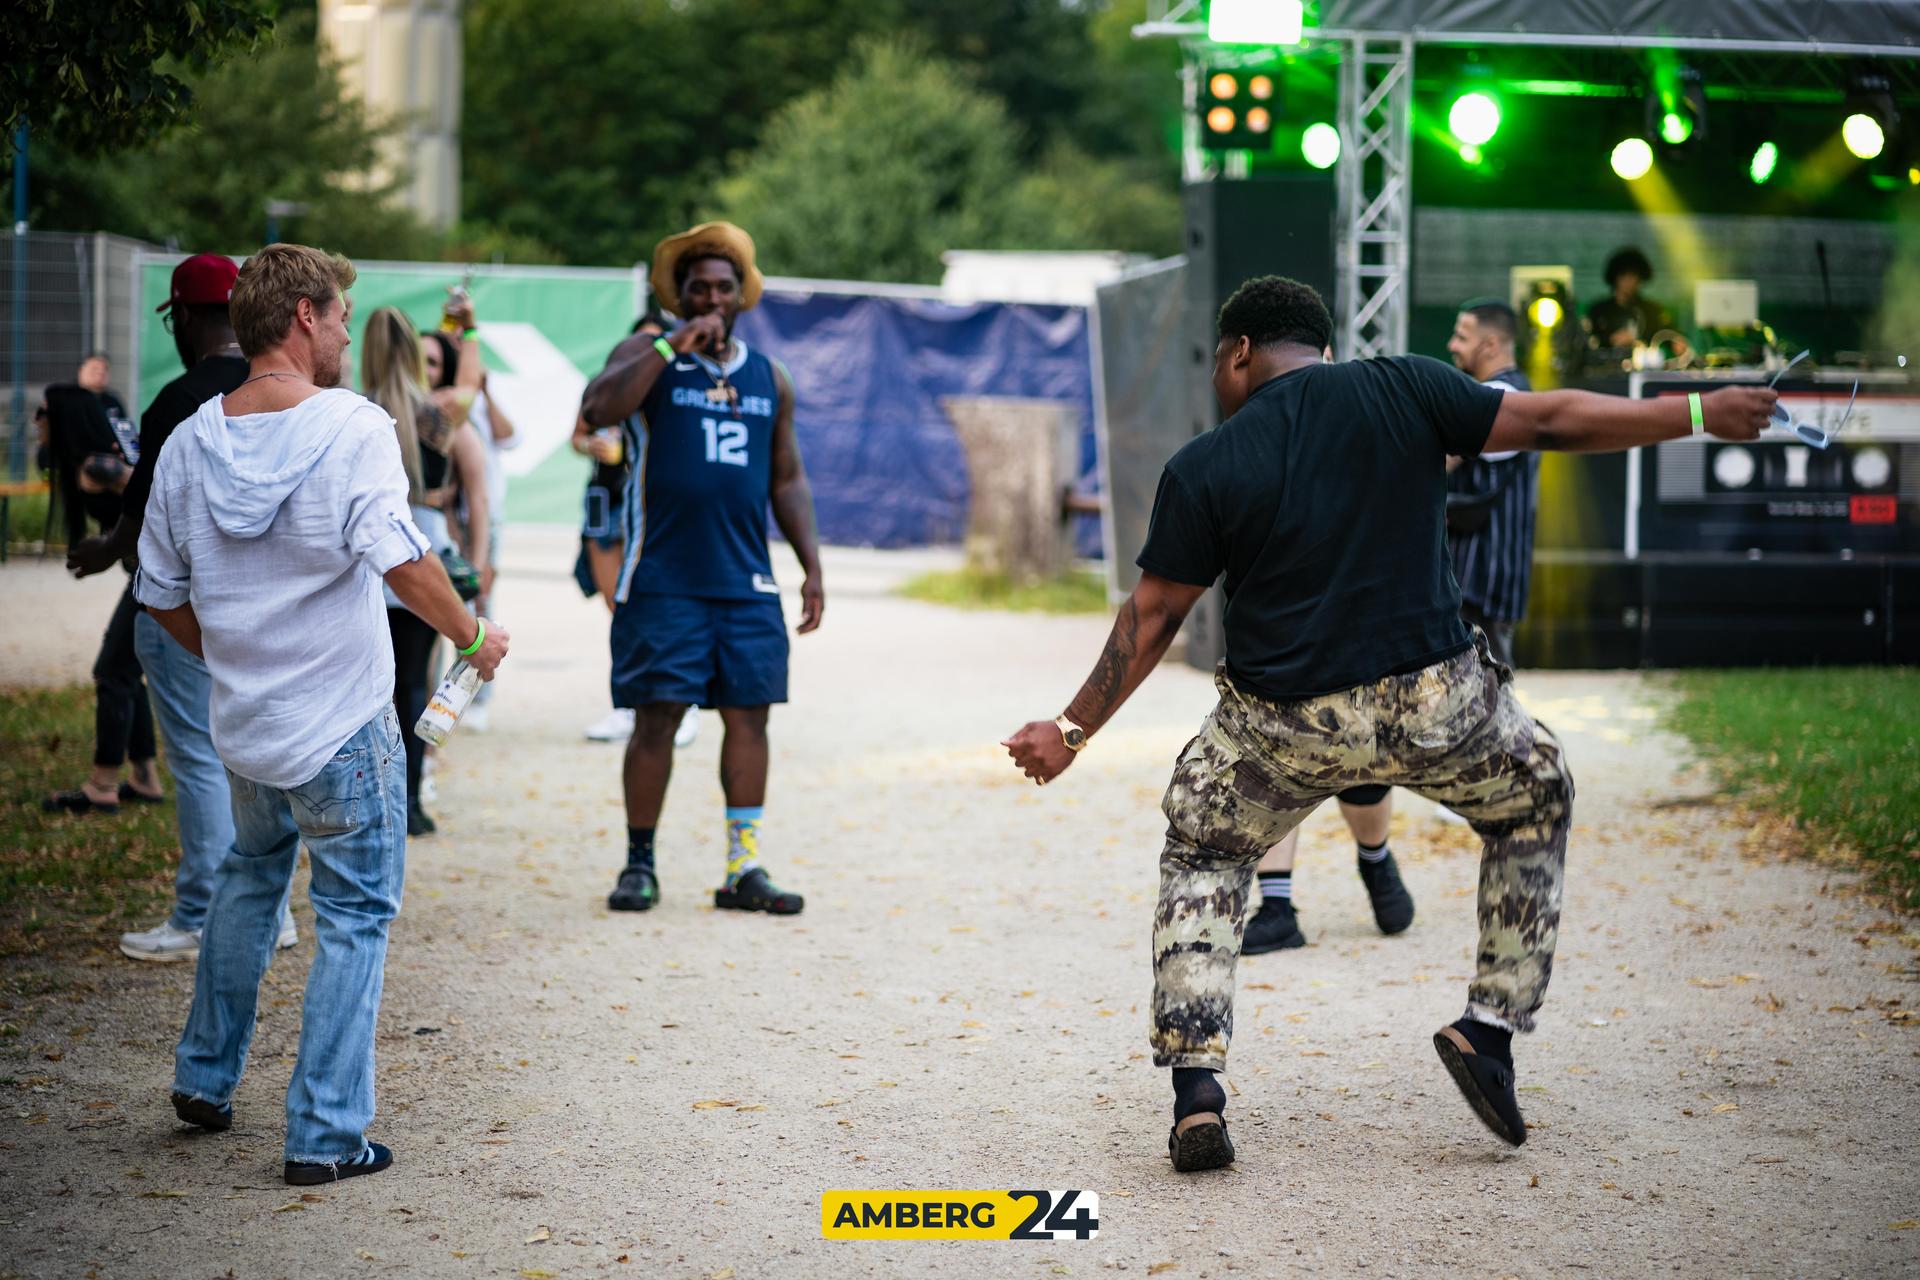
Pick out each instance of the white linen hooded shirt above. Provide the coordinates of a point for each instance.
(277, 528)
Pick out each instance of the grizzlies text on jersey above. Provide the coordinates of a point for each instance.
(696, 508)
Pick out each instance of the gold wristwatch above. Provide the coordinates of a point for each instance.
(1070, 733)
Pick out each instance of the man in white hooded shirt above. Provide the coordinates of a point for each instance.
(272, 522)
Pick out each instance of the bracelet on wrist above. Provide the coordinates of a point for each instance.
(469, 334)
(665, 349)
(1695, 413)
(479, 638)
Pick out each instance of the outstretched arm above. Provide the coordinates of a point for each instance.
(1145, 626)
(792, 499)
(1586, 422)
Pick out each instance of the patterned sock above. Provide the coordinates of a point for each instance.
(1276, 884)
(1372, 853)
(743, 841)
(640, 847)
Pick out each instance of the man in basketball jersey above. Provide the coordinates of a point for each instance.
(697, 619)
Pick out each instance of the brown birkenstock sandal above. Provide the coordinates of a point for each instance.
(1486, 1084)
(1200, 1142)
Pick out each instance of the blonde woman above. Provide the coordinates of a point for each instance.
(443, 457)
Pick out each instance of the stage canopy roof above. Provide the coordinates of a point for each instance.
(1887, 28)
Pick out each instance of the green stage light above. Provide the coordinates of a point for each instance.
(1256, 21)
(1766, 157)
(1632, 158)
(1863, 135)
(1474, 119)
(1471, 154)
(1675, 128)
(1320, 145)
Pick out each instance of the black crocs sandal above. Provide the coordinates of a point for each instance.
(1487, 1084)
(130, 794)
(75, 801)
(754, 891)
(638, 890)
(1200, 1146)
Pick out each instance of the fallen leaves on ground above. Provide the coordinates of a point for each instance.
(710, 1104)
(162, 1195)
(540, 1236)
(1156, 1268)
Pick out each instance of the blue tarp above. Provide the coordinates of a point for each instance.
(869, 374)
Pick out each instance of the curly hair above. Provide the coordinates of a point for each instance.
(1273, 309)
(1625, 260)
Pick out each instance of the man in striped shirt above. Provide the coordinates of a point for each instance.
(1491, 498)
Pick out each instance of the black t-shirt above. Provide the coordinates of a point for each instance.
(1323, 501)
(177, 401)
(1643, 316)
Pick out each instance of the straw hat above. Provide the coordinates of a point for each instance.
(722, 238)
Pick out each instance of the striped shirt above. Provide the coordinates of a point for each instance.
(1494, 565)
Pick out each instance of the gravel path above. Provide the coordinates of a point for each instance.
(1724, 1081)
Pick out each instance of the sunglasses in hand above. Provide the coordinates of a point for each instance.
(1818, 437)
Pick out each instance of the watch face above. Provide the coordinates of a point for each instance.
(1076, 738)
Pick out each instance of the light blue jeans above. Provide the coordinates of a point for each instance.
(353, 817)
(181, 690)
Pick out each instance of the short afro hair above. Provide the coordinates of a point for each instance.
(1267, 310)
(1625, 260)
(1494, 316)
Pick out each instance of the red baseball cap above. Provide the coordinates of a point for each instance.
(202, 279)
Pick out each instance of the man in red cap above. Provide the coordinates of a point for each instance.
(196, 315)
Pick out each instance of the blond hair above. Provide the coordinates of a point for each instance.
(393, 374)
(271, 283)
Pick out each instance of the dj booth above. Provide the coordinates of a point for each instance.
(1723, 554)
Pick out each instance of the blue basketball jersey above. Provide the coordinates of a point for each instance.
(697, 493)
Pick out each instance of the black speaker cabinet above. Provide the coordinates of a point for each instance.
(1770, 612)
(1280, 225)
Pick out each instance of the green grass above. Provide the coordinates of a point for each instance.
(1837, 750)
(1076, 592)
(27, 522)
(71, 878)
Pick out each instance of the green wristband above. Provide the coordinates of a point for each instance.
(468, 335)
(1694, 412)
(479, 639)
(665, 349)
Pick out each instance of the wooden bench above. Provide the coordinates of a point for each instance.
(9, 490)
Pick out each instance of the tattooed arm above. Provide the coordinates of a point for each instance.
(1146, 625)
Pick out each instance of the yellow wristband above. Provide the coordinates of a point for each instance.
(480, 638)
(1695, 412)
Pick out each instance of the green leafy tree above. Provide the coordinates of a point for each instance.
(874, 176)
(103, 73)
(1073, 200)
(276, 126)
(600, 126)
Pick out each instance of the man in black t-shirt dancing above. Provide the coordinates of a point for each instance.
(1321, 500)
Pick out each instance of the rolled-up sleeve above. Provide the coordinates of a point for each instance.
(163, 578)
(379, 528)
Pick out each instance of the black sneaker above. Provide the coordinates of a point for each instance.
(1273, 928)
(1392, 904)
(418, 823)
(754, 891)
(300, 1174)
(638, 890)
(203, 1113)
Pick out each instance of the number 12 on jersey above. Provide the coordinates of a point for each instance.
(726, 441)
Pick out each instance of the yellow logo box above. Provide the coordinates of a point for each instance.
(960, 1215)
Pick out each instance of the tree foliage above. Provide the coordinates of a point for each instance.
(97, 75)
(275, 126)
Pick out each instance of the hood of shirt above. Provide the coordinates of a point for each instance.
(253, 462)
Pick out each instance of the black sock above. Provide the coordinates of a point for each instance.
(1196, 1089)
(1372, 852)
(1487, 1040)
(640, 847)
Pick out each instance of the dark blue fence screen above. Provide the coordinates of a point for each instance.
(869, 374)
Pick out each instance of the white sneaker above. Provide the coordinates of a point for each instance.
(289, 937)
(163, 944)
(689, 728)
(615, 726)
(477, 718)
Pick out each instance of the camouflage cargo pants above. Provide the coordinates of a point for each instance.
(1452, 732)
